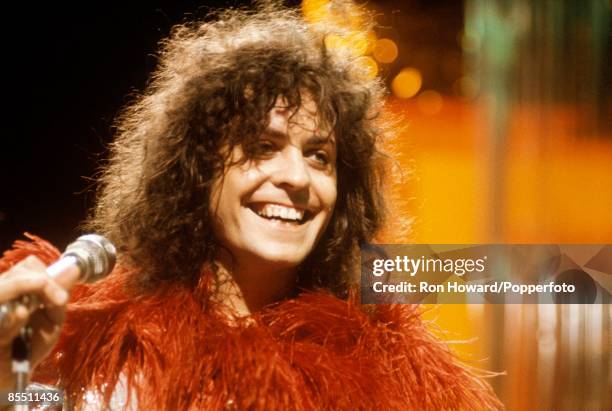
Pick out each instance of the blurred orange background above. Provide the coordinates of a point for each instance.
(503, 134)
(560, 193)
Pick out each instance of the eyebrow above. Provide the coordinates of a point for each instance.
(313, 140)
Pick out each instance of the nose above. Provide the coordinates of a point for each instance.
(292, 170)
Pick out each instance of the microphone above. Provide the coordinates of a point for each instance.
(93, 255)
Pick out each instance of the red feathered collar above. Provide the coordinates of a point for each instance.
(313, 352)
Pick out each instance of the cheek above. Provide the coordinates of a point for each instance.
(328, 192)
(251, 177)
(229, 191)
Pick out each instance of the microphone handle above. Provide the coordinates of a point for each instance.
(32, 302)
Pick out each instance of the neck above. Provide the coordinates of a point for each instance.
(245, 289)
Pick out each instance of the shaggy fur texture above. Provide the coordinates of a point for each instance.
(313, 352)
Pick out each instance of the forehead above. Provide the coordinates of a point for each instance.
(303, 119)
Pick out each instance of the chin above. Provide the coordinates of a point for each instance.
(281, 257)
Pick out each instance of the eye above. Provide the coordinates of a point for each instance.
(320, 157)
(264, 147)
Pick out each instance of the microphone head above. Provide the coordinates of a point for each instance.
(95, 256)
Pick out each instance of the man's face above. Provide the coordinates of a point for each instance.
(272, 210)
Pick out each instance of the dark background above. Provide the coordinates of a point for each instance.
(68, 71)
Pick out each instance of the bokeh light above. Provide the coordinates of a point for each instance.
(368, 66)
(407, 83)
(357, 43)
(351, 34)
(315, 10)
(345, 15)
(385, 51)
(334, 41)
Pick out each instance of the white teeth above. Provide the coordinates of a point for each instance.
(286, 213)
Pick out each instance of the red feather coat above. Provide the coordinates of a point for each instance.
(176, 351)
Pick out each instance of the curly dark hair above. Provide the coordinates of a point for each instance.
(214, 87)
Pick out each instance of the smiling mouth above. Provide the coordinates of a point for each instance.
(279, 213)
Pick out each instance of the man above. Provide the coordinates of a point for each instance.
(239, 187)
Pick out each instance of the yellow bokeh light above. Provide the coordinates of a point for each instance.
(333, 41)
(371, 39)
(407, 83)
(368, 66)
(349, 23)
(356, 43)
(345, 15)
(385, 51)
(315, 10)
(359, 43)
(430, 102)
